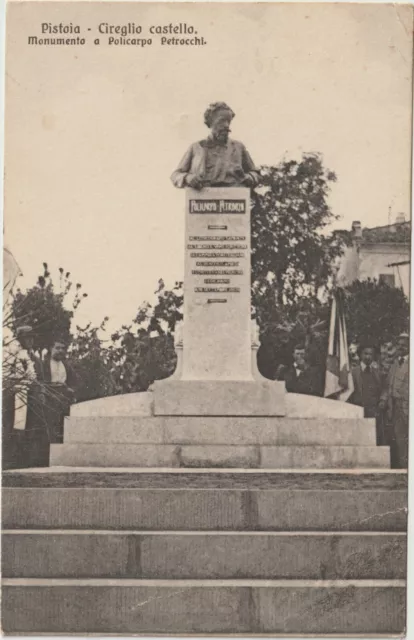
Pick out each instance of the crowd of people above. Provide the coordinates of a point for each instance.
(380, 386)
(34, 412)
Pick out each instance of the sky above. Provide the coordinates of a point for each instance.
(94, 132)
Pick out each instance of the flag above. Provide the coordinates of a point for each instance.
(11, 271)
(338, 381)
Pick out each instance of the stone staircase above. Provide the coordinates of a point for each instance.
(212, 525)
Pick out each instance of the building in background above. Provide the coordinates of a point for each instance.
(382, 253)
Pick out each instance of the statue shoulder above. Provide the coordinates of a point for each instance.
(239, 146)
(237, 143)
(205, 142)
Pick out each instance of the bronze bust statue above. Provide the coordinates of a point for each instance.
(216, 161)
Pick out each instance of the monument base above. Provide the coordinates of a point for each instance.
(222, 522)
(219, 398)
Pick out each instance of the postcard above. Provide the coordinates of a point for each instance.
(206, 318)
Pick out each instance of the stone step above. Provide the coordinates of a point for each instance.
(181, 555)
(284, 509)
(205, 606)
(227, 456)
(182, 478)
(221, 430)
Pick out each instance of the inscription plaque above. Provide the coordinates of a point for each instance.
(217, 206)
(217, 340)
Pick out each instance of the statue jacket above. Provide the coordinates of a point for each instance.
(216, 164)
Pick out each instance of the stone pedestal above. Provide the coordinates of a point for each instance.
(217, 373)
(217, 325)
(219, 398)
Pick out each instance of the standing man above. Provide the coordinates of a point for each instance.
(367, 386)
(386, 359)
(301, 377)
(367, 382)
(58, 379)
(395, 399)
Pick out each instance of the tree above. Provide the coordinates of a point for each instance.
(292, 256)
(302, 322)
(49, 309)
(129, 360)
(167, 311)
(135, 359)
(144, 351)
(43, 308)
(375, 312)
(90, 360)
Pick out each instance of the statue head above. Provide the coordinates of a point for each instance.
(218, 117)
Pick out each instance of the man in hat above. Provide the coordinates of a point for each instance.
(395, 399)
(58, 380)
(216, 161)
(368, 387)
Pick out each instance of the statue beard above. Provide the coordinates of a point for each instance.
(222, 136)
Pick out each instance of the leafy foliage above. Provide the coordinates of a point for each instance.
(304, 322)
(128, 360)
(166, 312)
(394, 233)
(375, 312)
(42, 307)
(144, 351)
(88, 356)
(291, 256)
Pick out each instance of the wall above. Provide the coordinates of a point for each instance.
(373, 261)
